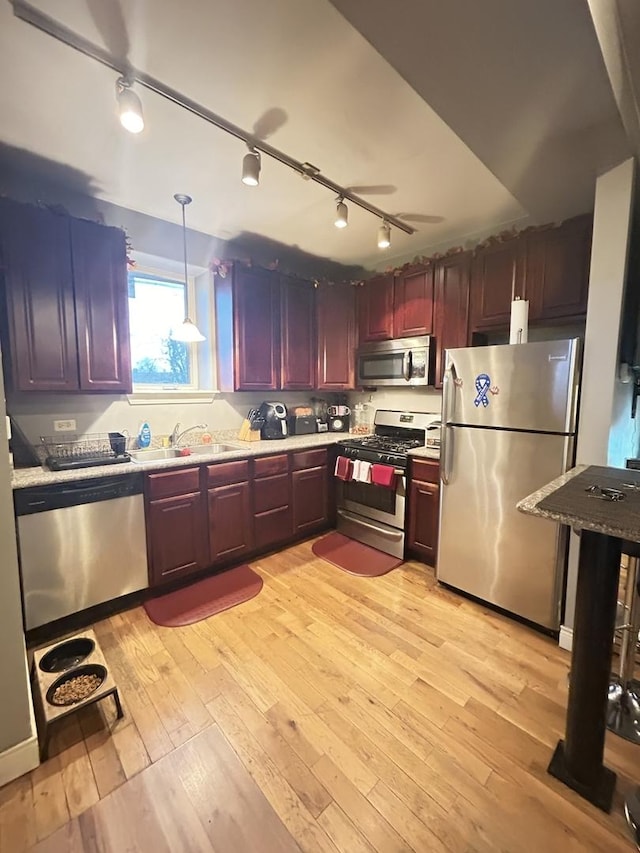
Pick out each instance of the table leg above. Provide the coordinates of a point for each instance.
(578, 760)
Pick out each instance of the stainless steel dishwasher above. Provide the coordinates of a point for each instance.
(81, 543)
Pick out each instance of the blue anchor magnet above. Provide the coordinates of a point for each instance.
(483, 386)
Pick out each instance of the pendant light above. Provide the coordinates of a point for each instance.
(384, 235)
(251, 168)
(342, 213)
(129, 106)
(187, 332)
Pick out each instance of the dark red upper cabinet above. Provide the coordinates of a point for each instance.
(40, 319)
(451, 308)
(375, 309)
(336, 314)
(557, 270)
(413, 303)
(248, 330)
(102, 308)
(298, 352)
(496, 279)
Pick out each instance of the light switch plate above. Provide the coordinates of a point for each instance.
(64, 426)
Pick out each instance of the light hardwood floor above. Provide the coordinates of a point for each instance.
(329, 713)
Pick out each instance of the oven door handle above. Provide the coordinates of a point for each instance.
(391, 534)
(407, 365)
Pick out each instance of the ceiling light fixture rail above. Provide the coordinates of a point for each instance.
(31, 15)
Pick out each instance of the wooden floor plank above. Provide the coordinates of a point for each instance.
(350, 714)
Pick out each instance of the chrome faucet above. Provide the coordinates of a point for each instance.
(176, 435)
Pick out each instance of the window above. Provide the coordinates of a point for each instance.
(157, 306)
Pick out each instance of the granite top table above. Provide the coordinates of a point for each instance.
(578, 500)
(567, 500)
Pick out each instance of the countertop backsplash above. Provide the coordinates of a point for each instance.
(106, 413)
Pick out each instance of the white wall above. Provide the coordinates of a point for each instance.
(400, 399)
(96, 413)
(602, 399)
(18, 748)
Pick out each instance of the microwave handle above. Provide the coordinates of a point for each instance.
(407, 365)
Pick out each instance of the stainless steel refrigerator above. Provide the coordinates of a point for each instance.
(509, 420)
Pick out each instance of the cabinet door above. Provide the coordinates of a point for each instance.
(451, 309)
(495, 281)
(298, 352)
(424, 506)
(375, 309)
(310, 507)
(230, 522)
(257, 330)
(336, 309)
(102, 307)
(413, 304)
(35, 255)
(557, 270)
(177, 536)
(272, 527)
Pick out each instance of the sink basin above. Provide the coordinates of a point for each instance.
(174, 453)
(153, 455)
(197, 449)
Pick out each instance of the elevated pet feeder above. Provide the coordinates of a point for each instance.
(69, 675)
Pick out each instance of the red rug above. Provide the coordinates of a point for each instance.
(204, 598)
(354, 557)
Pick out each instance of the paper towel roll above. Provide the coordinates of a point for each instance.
(519, 332)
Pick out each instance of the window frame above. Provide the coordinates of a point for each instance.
(190, 311)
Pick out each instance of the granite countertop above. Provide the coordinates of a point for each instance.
(25, 477)
(567, 501)
(425, 453)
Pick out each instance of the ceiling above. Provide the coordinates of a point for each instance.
(504, 120)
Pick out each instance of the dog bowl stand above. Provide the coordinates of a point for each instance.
(42, 681)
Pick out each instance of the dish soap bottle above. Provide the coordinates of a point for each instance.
(144, 435)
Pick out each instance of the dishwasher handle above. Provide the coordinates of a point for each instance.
(62, 495)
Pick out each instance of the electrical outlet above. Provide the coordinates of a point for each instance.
(64, 426)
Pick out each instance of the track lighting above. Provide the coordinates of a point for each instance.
(342, 214)
(251, 168)
(129, 107)
(384, 235)
(131, 117)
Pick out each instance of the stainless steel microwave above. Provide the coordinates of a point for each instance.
(404, 363)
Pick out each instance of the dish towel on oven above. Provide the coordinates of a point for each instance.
(343, 469)
(362, 471)
(383, 475)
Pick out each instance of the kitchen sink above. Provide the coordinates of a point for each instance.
(153, 455)
(174, 452)
(197, 449)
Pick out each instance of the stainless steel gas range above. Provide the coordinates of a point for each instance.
(375, 514)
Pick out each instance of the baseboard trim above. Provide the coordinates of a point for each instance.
(566, 638)
(24, 756)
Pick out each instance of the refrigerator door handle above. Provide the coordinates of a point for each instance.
(445, 455)
(448, 400)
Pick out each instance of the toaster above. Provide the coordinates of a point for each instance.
(301, 424)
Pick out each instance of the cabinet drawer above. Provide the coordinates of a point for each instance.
(170, 483)
(267, 465)
(309, 459)
(271, 492)
(273, 527)
(427, 470)
(227, 473)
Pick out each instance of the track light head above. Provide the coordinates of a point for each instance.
(129, 106)
(251, 168)
(384, 235)
(342, 214)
